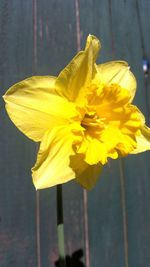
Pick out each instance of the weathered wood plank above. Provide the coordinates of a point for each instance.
(104, 201)
(143, 10)
(56, 45)
(127, 35)
(95, 19)
(17, 195)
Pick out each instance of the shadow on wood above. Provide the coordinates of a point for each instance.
(75, 260)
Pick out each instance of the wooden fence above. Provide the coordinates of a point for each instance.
(109, 225)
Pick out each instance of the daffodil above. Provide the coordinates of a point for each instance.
(81, 118)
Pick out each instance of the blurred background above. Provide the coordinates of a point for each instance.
(110, 225)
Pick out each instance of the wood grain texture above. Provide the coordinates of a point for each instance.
(17, 196)
(144, 28)
(56, 45)
(130, 45)
(104, 202)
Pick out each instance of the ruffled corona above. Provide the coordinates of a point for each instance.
(110, 125)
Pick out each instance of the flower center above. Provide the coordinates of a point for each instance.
(93, 123)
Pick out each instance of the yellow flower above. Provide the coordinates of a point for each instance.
(82, 117)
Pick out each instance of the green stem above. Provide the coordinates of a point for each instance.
(60, 228)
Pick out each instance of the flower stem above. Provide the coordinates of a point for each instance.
(60, 228)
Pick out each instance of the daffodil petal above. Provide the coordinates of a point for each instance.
(79, 72)
(53, 161)
(57, 163)
(117, 72)
(89, 177)
(143, 141)
(34, 106)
